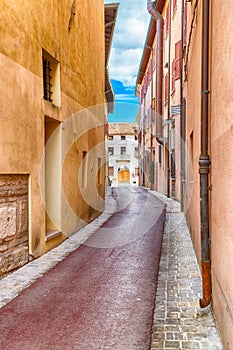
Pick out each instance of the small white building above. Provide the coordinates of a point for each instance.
(123, 153)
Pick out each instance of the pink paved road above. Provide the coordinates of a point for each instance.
(96, 298)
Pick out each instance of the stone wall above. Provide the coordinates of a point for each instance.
(14, 222)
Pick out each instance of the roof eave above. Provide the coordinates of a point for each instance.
(159, 4)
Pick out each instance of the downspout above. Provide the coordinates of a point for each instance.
(151, 132)
(159, 68)
(143, 141)
(169, 102)
(182, 130)
(204, 161)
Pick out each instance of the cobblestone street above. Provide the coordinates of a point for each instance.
(179, 322)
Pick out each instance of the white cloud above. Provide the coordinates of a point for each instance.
(128, 40)
(124, 65)
(130, 33)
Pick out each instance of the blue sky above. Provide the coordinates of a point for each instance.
(127, 47)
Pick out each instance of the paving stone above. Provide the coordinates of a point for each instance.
(186, 326)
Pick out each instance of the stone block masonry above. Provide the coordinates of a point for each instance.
(13, 222)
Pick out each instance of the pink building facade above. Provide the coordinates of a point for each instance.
(186, 133)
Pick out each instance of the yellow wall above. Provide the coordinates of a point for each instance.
(27, 27)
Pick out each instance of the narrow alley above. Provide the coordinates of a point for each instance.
(115, 177)
(96, 298)
(103, 297)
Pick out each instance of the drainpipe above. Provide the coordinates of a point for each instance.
(143, 141)
(169, 102)
(159, 67)
(182, 130)
(151, 127)
(204, 162)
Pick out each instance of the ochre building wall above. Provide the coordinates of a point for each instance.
(28, 28)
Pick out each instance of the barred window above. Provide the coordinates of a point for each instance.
(47, 80)
(51, 79)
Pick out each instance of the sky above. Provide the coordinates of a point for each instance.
(126, 52)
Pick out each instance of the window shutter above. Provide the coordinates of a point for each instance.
(173, 164)
(150, 69)
(177, 59)
(154, 61)
(141, 94)
(185, 25)
(146, 83)
(167, 18)
(174, 5)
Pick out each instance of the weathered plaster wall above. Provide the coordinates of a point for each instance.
(26, 29)
(14, 222)
(220, 149)
(193, 114)
(221, 126)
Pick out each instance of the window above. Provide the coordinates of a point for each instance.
(191, 147)
(110, 171)
(47, 80)
(84, 169)
(160, 154)
(123, 151)
(100, 168)
(110, 151)
(110, 137)
(122, 137)
(173, 164)
(51, 79)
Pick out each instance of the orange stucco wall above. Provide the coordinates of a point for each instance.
(26, 29)
(192, 91)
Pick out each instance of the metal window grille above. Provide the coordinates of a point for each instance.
(47, 80)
